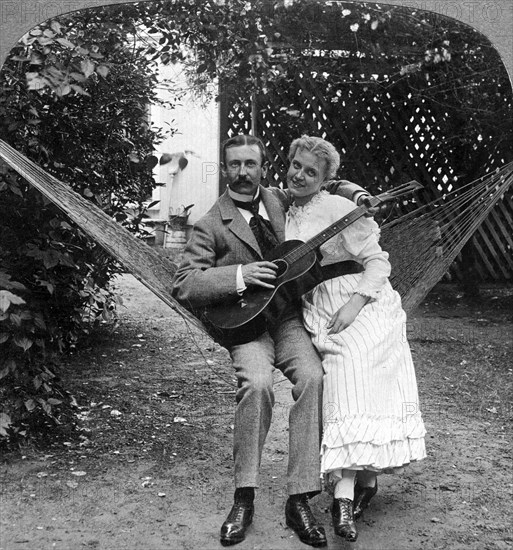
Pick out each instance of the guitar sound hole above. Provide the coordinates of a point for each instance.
(282, 267)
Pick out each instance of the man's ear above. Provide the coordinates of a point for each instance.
(223, 169)
(265, 167)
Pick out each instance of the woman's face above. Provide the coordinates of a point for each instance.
(306, 174)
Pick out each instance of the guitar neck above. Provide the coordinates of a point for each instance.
(329, 232)
(347, 220)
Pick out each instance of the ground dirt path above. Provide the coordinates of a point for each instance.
(152, 467)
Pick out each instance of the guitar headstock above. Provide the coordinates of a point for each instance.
(396, 192)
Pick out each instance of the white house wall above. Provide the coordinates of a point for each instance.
(198, 132)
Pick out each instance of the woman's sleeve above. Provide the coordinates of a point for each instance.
(361, 241)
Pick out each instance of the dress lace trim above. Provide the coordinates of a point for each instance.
(300, 213)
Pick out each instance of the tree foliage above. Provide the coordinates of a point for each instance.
(74, 98)
(255, 50)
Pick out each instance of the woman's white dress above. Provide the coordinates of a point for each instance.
(371, 415)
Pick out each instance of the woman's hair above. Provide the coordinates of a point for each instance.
(240, 140)
(320, 148)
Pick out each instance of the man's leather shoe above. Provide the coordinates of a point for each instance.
(362, 497)
(239, 519)
(300, 518)
(343, 520)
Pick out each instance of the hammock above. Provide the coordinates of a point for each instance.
(151, 268)
(422, 244)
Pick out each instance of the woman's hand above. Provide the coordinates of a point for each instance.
(346, 314)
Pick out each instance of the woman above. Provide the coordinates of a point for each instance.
(371, 418)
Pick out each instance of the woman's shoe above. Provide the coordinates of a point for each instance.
(343, 520)
(362, 497)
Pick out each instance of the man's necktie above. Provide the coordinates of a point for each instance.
(262, 228)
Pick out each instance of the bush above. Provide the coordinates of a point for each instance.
(54, 290)
(74, 95)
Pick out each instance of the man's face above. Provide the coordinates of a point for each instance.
(244, 168)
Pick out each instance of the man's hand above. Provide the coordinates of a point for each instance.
(259, 274)
(381, 209)
(364, 200)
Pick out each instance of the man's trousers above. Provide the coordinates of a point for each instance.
(290, 350)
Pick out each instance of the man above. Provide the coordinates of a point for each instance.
(223, 257)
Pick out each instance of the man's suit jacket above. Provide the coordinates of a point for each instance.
(221, 240)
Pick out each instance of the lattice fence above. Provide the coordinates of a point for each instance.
(386, 135)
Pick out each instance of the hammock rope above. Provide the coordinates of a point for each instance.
(151, 268)
(422, 243)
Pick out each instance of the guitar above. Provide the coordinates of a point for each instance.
(294, 258)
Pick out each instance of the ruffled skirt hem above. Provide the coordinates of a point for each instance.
(377, 458)
(372, 442)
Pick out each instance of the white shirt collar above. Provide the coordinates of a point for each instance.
(243, 198)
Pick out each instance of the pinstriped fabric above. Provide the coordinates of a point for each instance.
(371, 416)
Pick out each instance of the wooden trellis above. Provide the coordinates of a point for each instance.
(385, 135)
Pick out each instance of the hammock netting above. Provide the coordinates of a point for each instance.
(425, 242)
(422, 243)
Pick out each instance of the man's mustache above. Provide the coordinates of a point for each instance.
(242, 179)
